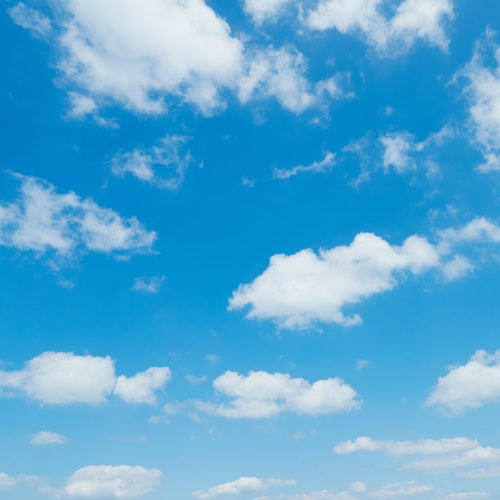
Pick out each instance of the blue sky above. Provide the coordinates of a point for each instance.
(250, 249)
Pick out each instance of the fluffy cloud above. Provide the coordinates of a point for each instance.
(162, 165)
(141, 388)
(241, 485)
(468, 386)
(43, 438)
(484, 473)
(296, 290)
(262, 10)
(30, 19)
(413, 20)
(482, 91)
(122, 481)
(63, 226)
(405, 448)
(62, 378)
(150, 284)
(261, 394)
(320, 166)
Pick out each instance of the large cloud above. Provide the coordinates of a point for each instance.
(413, 20)
(240, 486)
(63, 226)
(106, 481)
(262, 394)
(62, 378)
(468, 386)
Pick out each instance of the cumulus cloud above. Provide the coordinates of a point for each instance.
(141, 388)
(151, 284)
(482, 92)
(468, 386)
(264, 10)
(26, 17)
(296, 290)
(486, 473)
(122, 481)
(405, 448)
(413, 20)
(63, 226)
(162, 165)
(63, 378)
(43, 438)
(262, 394)
(321, 166)
(240, 486)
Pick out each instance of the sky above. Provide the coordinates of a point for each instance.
(250, 249)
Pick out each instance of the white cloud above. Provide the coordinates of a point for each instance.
(151, 284)
(484, 473)
(314, 495)
(162, 165)
(262, 394)
(65, 225)
(413, 20)
(264, 10)
(194, 380)
(468, 386)
(240, 486)
(482, 92)
(46, 438)
(122, 481)
(296, 290)
(6, 481)
(398, 490)
(320, 166)
(465, 495)
(405, 448)
(140, 389)
(479, 229)
(30, 19)
(62, 378)
(361, 364)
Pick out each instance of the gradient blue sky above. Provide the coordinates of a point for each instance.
(250, 249)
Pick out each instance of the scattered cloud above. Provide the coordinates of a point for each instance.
(468, 386)
(398, 490)
(262, 395)
(240, 486)
(484, 473)
(43, 438)
(213, 358)
(32, 20)
(361, 364)
(245, 181)
(64, 226)
(6, 481)
(162, 165)
(482, 92)
(122, 481)
(321, 166)
(264, 10)
(148, 284)
(194, 380)
(412, 21)
(465, 495)
(63, 378)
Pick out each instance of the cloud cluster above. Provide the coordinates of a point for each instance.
(63, 226)
(262, 394)
(63, 378)
(468, 386)
(240, 486)
(413, 20)
(106, 481)
(437, 455)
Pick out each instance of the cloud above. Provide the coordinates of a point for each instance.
(398, 490)
(320, 166)
(264, 10)
(465, 495)
(63, 378)
(405, 448)
(151, 284)
(482, 93)
(141, 388)
(64, 226)
(122, 481)
(162, 165)
(240, 486)
(413, 20)
(30, 19)
(43, 438)
(468, 386)
(484, 473)
(262, 395)
(297, 290)
(6, 481)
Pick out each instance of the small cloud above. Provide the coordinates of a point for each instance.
(321, 166)
(213, 358)
(194, 380)
(362, 363)
(43, 438)
(147, 284)
(30, 19)
(245, 181)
